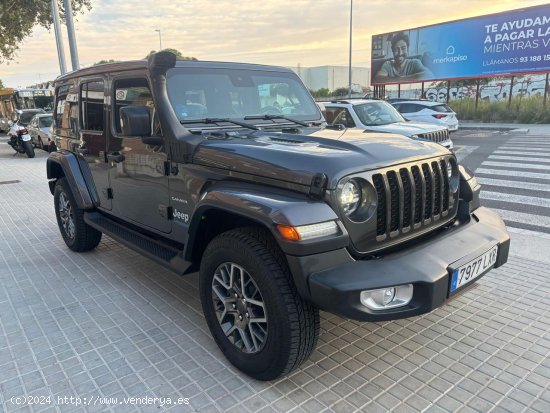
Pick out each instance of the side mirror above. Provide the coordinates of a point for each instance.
(135, 121)
(10, 123)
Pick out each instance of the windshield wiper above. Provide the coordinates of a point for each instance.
(272, 117)
(219, 120)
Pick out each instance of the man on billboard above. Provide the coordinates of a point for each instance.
(402, 67)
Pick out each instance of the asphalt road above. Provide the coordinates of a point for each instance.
(514, 171)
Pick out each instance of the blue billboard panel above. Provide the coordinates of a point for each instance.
(505, 43)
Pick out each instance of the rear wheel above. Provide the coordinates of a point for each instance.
(29, 150)
(78, 235)
(252, 307)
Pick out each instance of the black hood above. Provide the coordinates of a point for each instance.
(297, 158)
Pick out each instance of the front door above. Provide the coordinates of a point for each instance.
(138, 172)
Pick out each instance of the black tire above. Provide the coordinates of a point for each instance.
(29, 150)
(79, 236)
(41, 144)
(292, 323)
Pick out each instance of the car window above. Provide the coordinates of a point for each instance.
(134, 92)
(441, 108)
(66, 108)
(45, 122)
(92, 98)
(409, 108)
(377, 113)
(339, 116)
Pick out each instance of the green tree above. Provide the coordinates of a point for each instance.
(103, 61)
(321, 93)
(179, 55)
(19, 17)
(1, 85)
(341, 91)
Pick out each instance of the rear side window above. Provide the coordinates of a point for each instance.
(441, 108)
(92, 98)
(409, 108)
(60, 102)
(335, 116)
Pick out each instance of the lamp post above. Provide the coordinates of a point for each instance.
(350, 34)
(160, 39)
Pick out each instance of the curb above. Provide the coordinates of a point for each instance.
(491, 128)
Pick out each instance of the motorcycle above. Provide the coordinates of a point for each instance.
(20, 140)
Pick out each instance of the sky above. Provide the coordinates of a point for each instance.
(277, 32)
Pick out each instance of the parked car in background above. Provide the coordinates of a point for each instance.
(379, 116)
(429, 112)
(40, 129)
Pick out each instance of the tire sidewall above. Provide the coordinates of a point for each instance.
(276, 350)
(29, 150)
(62, 187)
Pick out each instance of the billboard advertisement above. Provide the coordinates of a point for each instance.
(507, 43)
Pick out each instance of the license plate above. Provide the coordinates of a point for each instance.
(26, 137)
(470, 271)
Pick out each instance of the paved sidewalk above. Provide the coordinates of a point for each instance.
(113, 324)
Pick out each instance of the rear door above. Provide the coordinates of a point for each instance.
(138, 172)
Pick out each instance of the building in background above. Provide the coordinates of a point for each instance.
(334, 77)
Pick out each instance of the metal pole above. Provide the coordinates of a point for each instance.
(545, 90)
(477, 92)
(350, 35)
(58, 38)
(70, 31)
(448, 90)
(510, 94)
(160, 39)
(422, 92)
(398, 90)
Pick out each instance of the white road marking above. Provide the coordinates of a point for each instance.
(522, 174)
(519, 158)
(523, 218)
(525, 148)
(511, 165)
(513, 153)
(516, 199)
(513, 184)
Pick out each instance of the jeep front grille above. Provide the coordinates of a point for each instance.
(437, 136)
(412, 197)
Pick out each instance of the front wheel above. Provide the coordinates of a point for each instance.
(78, 235)
(29, 150)
(251, 305)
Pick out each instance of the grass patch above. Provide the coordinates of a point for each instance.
(520, 110)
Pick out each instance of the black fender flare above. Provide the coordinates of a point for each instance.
(66, 164)
(268, 207)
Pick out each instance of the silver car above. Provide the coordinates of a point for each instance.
(40, 129)
(379, 116)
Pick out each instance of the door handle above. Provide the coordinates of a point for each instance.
(115, 157)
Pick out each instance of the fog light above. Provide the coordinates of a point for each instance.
(385, 298)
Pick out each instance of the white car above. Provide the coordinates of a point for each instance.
(429, 112)
(379, 116)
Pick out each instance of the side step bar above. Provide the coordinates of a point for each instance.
(166, 255)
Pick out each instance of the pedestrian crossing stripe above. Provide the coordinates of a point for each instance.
(503, 172)
(524, 148)
(515, 165)
(513, 153)
(523, 218)
(532, 186)
(516, 199)
(519, 158)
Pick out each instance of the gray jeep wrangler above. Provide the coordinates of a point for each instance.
(229, 169)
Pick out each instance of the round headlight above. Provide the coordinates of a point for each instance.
(350, 197)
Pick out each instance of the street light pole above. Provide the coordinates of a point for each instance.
(70, 31)
(160, 39)
(58, 38)
(350, 35)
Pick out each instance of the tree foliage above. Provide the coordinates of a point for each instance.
(19, 17)
(179, 55)
(103, 61)
(1, 85)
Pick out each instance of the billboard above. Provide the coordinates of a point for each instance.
(517, 41)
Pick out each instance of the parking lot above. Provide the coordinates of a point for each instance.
(109, 325)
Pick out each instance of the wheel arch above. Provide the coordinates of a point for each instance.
(65, 164)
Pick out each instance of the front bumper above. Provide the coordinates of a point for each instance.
(334, 280)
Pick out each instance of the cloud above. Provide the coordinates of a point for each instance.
(281, 32)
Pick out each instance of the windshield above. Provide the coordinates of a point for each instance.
(26, 117)
(377, 113)
(199, 93)
(45, 122)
